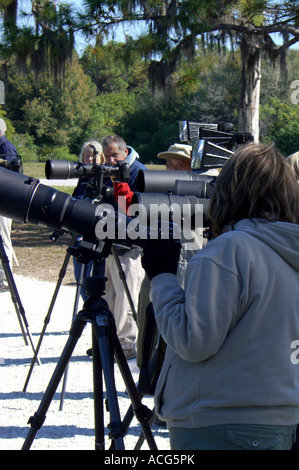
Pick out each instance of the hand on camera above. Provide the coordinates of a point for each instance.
(160, 256)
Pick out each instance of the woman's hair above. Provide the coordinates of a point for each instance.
(97, 146)
(293, 160)
(256, 182)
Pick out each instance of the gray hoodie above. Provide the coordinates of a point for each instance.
(230, 332)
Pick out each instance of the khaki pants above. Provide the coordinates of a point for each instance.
(117, 298)
(5, 229)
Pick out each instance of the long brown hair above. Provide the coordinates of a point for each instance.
(256, 182)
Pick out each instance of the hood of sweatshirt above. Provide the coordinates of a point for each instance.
(282, 237)
(132, 156)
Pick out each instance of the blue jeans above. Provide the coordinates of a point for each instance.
(233, 437)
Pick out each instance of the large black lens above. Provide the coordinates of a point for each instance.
(163, 181)
(63, 169)
(24, 199)
(159, 181)
(168, 207)
(16, 191)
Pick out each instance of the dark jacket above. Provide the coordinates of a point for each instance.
(7, 149)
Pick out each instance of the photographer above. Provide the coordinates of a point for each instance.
(8, 152)
(228, 381)
(177, 158)
(115, 151)
(90, 150)
(7, 149)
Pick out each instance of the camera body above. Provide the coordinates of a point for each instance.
(64, 169)
(212, 146)
(15, 164)
(93, 172)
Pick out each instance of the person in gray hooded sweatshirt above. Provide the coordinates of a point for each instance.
(230, 378)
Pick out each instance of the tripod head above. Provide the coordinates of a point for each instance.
(84, 252)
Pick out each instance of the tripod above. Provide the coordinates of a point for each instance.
(16, 298)
(48, 316)
(105, 344)
(72, 250)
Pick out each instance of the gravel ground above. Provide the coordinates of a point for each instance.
(71, 428)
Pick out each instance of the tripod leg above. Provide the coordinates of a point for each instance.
(75, 311)
(98, 396)
(21, 324)
(5, 264)
(15, 296)
(122, 276)
(48, 316)
(39, 417)
(101, 332)
(142, 413)
(20, 311)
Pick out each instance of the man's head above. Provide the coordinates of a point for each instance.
(2, 126)
(115, 149)
(178, 157)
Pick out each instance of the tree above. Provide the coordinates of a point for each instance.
(173, 27)
(53, 116)
(46, 46)
(205, 91)
(281, 124)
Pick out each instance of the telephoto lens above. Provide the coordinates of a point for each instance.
(24, 199)
(64, 169)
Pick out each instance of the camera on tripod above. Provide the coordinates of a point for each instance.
(14, 164)
(172, 199)
(95, 173)
(64, 169)
(190, 191)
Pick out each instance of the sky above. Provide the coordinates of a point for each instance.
(82, 42)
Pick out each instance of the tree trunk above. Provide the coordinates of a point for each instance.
(10, 17)
(249, 101)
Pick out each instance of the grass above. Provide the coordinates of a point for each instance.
(34, 169)
(37, 256)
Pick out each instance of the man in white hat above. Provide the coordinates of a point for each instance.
(7, 149)
(178, 157)
(7, 152)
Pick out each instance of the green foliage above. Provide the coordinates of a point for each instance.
(280, 124)
(151, 128)
(26, 147)
(52, 115)
(253, 10)
(210, 95)
(115, 67)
